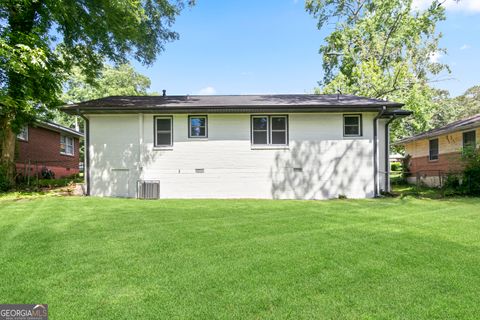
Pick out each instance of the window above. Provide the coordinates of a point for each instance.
(269, 130)
(66, 145)
(279, 130)
(260, 130)
(23, 134)
(469, 139)
(163, 132)
(197, 127)
(433, 149)
(352, 125)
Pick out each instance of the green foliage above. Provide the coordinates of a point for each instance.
(451, 184)
(395, 166)
(468, 181)
(41, 41)
(382, 49)
(111, 81)
(471, 173)
(456, 108)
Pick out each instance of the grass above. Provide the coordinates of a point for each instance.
(93, 258)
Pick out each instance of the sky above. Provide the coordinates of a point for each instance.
(271, 46)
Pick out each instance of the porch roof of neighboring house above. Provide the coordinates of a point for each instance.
(232, 104)
(59, 128)
(460, 125)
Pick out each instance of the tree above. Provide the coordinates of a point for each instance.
(382, 49)
(40, 42)
(456, 108)
(469, 102)
(112, 81)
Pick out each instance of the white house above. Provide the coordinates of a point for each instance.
(243, 146)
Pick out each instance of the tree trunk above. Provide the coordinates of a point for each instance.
(7, 149)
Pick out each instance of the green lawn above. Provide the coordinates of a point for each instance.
(92, 258)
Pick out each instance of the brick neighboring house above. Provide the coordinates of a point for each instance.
(437, 152)
(48, 146)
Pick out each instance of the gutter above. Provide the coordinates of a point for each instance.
(375, 151)
(387, 153)
(223, 109)
(86, 167)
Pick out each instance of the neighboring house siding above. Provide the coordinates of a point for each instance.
(122, 152)
(43, 150)
(449, 157)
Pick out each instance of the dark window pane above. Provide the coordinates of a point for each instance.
(352, 120)
(279, 137)
(259, 137)
(433, 144)
(352, 130)
(260, 123)
(469, 139)
(163, 124)
(163, 139)
(197, 132)
(197, 122)
(278, 123)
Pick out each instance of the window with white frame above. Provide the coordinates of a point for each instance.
(197, 127)
(23, 134)
(67, 145)
(163, 131)
(269, 130)
(352, 125)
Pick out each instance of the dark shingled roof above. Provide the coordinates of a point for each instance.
(59, 128)
(460, 125)
(228, 103)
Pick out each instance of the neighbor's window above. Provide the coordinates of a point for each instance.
(269, 130)
(163, 131)
(23, 134)
(469, 139)
(352, 125)
(197, 127)
(433, 149)
(66, 145)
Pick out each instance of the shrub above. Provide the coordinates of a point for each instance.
(471, 181)
(395, 166)
(452, 181)
(451, 185)
(398, 180)
(470, 184)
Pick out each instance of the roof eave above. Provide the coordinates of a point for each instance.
(227, 109)
(437, 133)
(58, 128)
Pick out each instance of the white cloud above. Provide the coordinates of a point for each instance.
(465, 47)
(207, 91)
(467, 6)
(435, 57)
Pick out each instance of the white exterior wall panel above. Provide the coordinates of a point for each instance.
(122, 149)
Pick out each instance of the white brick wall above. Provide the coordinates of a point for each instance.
(122, 152)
